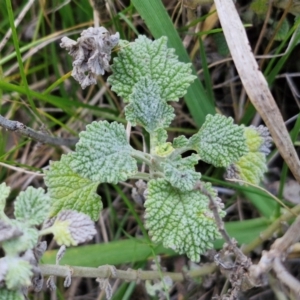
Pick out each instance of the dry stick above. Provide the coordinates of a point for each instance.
(291, 237)
(272, 259)
(38, 136)
(255, 83)
(284, 276)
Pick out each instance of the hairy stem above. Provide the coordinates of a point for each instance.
(129, 275)
(141, 156)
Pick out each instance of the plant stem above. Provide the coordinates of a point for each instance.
(141, 156)
(128, 275)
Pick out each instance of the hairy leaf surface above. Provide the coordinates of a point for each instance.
(32, 206)
(18, 274)
(4, 192)
(252, 166)
(103, 153)
(219, 141)
(180, 220)
(180, 172)
(154, 60)
(146, 107)
(69, 190)
(180, 141)
(72, 228)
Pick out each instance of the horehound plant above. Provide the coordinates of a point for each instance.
(147, 75)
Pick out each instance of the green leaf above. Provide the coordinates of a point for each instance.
(154, 60)
(260, 7)
(180, 141)
(164, 149)
(72, 228)
(32, 206)
(158, 143)
(180, 220)
(219, 141)
(103, 153)
(18, 274)
(22, 243)
(180, 172)
(146, 107)
(10, 295)
(221, 44)
(252, 166)
(160, 24)
(4, 192)
(69, 190)
(283, 30)
(133, 250)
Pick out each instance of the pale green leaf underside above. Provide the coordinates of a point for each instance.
(252, 166)
(249, 168)
(103, 153)
(155, 60)
(19, 273)
(68, 190)
(180, 172)
(219, 141)
(32, 206)
(4, 192)
(180, 220)
(146, 108)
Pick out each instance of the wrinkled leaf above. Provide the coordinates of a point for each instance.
(69, 190)
(22, 243)
(72, 228)
(180, 172)
(32, 206)
(154, 60)
(252, 166)
(146, 107)
(18, 274)
(219, 141)
(180, 141)
(103, 153)
(180, 220)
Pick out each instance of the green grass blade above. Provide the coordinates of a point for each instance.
(244, 231)
(112, 253)
(19, 58)
(135, 250)
(159, 23)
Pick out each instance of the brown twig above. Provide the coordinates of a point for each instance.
(16, 126)
(285, 277)
(273, 259)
